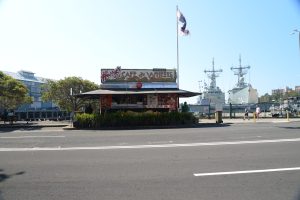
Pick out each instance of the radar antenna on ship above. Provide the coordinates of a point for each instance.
(212, 75)
(240, 72)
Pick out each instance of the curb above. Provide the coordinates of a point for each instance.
(15, 126)
(200, 125)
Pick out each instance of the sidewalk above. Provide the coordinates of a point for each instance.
(34, 124)
(242, 121)
(67, 124)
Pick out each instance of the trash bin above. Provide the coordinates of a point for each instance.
(218, 117)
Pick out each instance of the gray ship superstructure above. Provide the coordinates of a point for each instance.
(212, 95)
(242, 93)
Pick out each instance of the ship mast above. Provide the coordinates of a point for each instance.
(212, 75)
(240, 72)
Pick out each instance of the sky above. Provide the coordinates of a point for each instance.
(61, 38)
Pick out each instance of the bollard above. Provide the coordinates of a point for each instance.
(288, 116)
(254, 116)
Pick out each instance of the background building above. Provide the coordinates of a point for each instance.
(34, 85)
(37, 109)
(284, 91)
(278, 91)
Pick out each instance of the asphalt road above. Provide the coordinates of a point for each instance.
(238, 161)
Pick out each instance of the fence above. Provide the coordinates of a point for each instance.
(236, 110)
(42, 115)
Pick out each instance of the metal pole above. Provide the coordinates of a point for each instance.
(297, 31)
(299, 40)
(100, 105)
(73, 109)
(177, 46)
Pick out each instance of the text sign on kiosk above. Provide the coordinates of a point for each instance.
(138, 75)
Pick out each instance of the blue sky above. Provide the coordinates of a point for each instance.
(61, 38)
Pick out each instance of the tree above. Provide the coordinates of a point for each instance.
(184, 107)
(292, 93)
(13, 93)
(265, 98)
(63, 92)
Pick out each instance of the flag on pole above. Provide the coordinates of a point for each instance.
(182, 24)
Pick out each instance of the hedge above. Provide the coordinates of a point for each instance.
(133, 119)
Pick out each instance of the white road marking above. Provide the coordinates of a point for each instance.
(160, 142)
(150, 146)
(248, 172)
(22, 137)
(38, 131)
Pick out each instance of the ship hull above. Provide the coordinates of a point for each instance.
(213, 98)
(246, 95)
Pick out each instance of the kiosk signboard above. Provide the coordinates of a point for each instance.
(119, 75)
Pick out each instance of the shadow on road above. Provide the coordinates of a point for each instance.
(4, 177)
(290, 127)
(298, 195)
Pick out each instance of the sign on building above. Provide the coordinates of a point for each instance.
(119, 75)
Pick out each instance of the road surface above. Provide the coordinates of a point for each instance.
(230, 162)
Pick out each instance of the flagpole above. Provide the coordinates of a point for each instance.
(294, 32)
(177, 47)
(299, 40)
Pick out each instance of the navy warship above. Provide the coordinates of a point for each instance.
(212, 94)
(242, 93)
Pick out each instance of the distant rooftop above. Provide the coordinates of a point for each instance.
(23, 75)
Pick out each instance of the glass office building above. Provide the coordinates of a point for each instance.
(37, 109)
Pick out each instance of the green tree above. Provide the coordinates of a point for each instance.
(292, 93)
(13, 93)
(185, 107)
(265, 98)
(63, 92)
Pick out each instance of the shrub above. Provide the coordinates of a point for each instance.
(133, 119)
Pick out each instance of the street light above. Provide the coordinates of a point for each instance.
(294, 32)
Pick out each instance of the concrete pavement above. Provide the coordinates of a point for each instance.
(68, 126)
(251, 120)
(34, 124)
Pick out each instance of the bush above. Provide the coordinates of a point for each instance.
(133, 119)
(84, 120)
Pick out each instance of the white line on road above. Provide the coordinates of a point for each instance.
(248, 171)
(280, 121)
(22, 137)
(150, 146)
(37, 131)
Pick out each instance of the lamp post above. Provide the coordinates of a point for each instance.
(294, 32)
(73, 107)
(74, 101)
